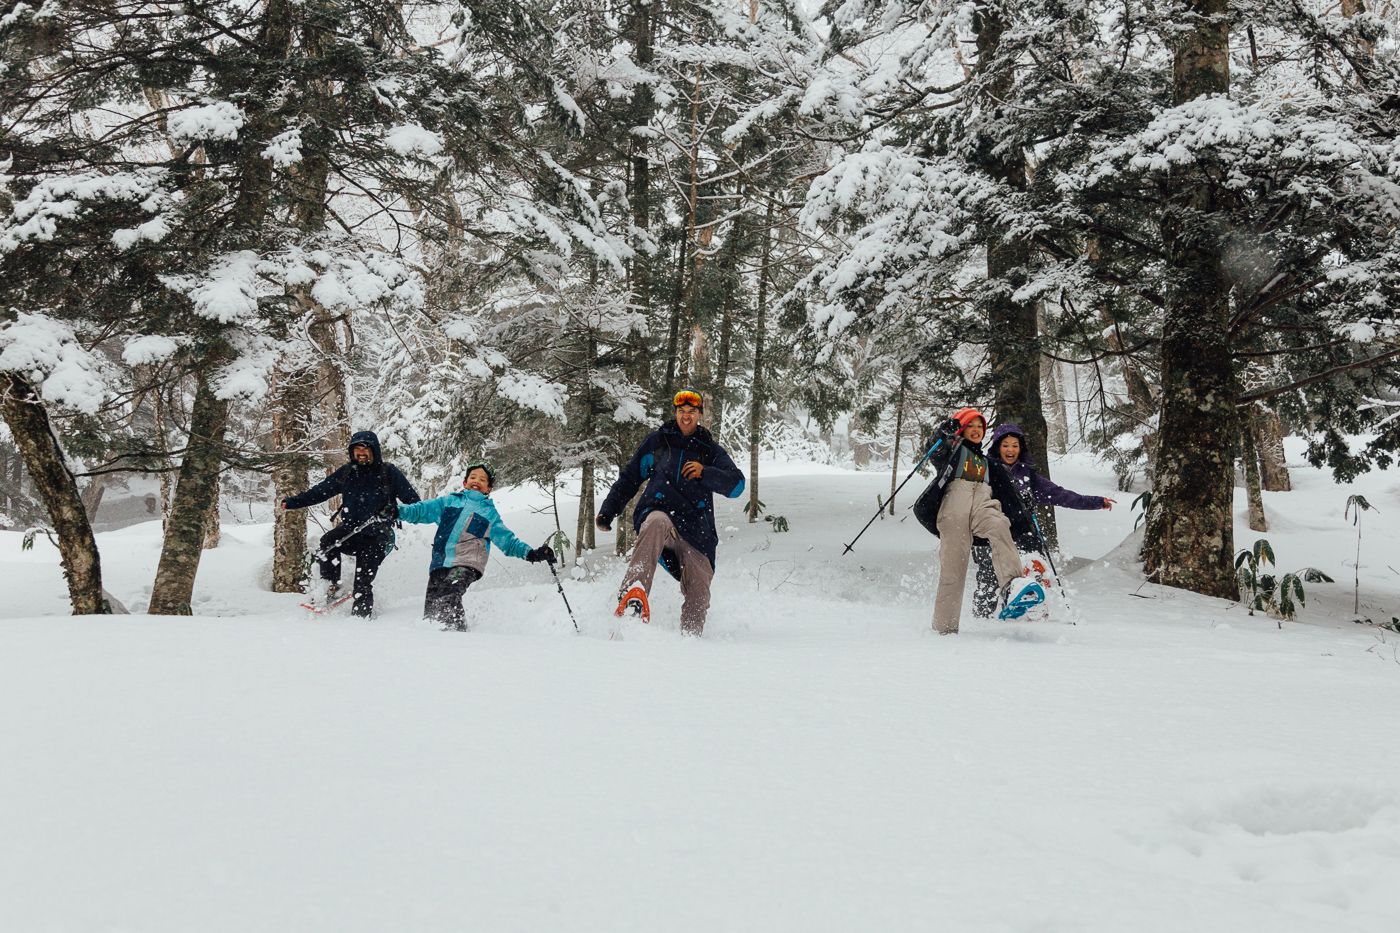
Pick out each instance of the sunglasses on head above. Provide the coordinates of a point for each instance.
(687, 398)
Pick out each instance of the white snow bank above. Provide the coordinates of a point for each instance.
(819, 761)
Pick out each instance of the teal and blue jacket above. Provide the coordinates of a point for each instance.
(467, 525)
(690, 503)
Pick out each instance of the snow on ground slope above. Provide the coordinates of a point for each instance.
(818, 762)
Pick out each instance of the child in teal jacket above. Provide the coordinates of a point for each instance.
(468, 524)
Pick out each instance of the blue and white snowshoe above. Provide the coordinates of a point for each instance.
(1021, 594)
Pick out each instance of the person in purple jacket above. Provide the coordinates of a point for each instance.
(1009, 446)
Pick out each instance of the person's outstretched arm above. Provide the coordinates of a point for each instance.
(332, 485)
(423, 513)
(505, 539)
(628, 482)
(1047, 493)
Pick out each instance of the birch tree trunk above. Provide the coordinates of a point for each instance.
(1057, 425)
(726, 335)
(195, 489)
(1249, 455)
(1274, 468)
(292, 403)
(211, 520)
(1189, 540)
(44, 461)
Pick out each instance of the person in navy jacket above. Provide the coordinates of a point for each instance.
(683, 468)
(368, 488)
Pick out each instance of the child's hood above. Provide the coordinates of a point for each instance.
(474, 497)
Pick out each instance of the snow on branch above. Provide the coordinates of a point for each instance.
(48, 354)
(218, 119)
(37, 215)
(226, 292)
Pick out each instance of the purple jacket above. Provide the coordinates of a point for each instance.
(1029, 483)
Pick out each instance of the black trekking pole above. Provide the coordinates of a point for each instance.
(1035, 522)
(881, 510)
(560, 583)
(320, 554)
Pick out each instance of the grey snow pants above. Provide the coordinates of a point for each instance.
(969, 510)
(657, 534)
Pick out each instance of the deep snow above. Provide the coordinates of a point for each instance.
(819, 761)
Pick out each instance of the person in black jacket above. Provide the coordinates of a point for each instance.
(368, 488)
(683, 468)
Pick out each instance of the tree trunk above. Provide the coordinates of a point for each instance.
(1274, 469)
(1013, 345)
(291, 407)
(1144, 406)
(331, 395)
(898, 431)
(43, 459)
(726, 335)
(196, 488)
(673, 336)
(645, 105)
(1189, 539)
(211, 520)
(1249, 456)
(757, 395)
(585, 514)
(1057, 426)
(167, 485)
(92, 497)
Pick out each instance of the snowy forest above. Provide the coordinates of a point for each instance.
(232, 233)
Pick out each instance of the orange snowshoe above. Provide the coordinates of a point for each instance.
(636, 600)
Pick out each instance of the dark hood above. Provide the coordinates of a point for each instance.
(1005, 430)
(370, 440)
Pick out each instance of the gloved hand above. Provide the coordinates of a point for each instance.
(950, 428)
(604, 523)
(543, 552)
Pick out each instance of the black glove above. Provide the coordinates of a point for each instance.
(604, 523)
(543, 552)
(950, 428)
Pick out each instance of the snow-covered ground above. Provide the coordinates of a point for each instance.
(819, 761)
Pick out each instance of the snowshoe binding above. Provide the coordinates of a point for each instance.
(634, 599)
(1019, 596)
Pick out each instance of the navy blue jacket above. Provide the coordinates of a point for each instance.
(361, 490)
(689, 502)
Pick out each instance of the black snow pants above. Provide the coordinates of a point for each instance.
(986, 596)
(444, 600)
(369, 550)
